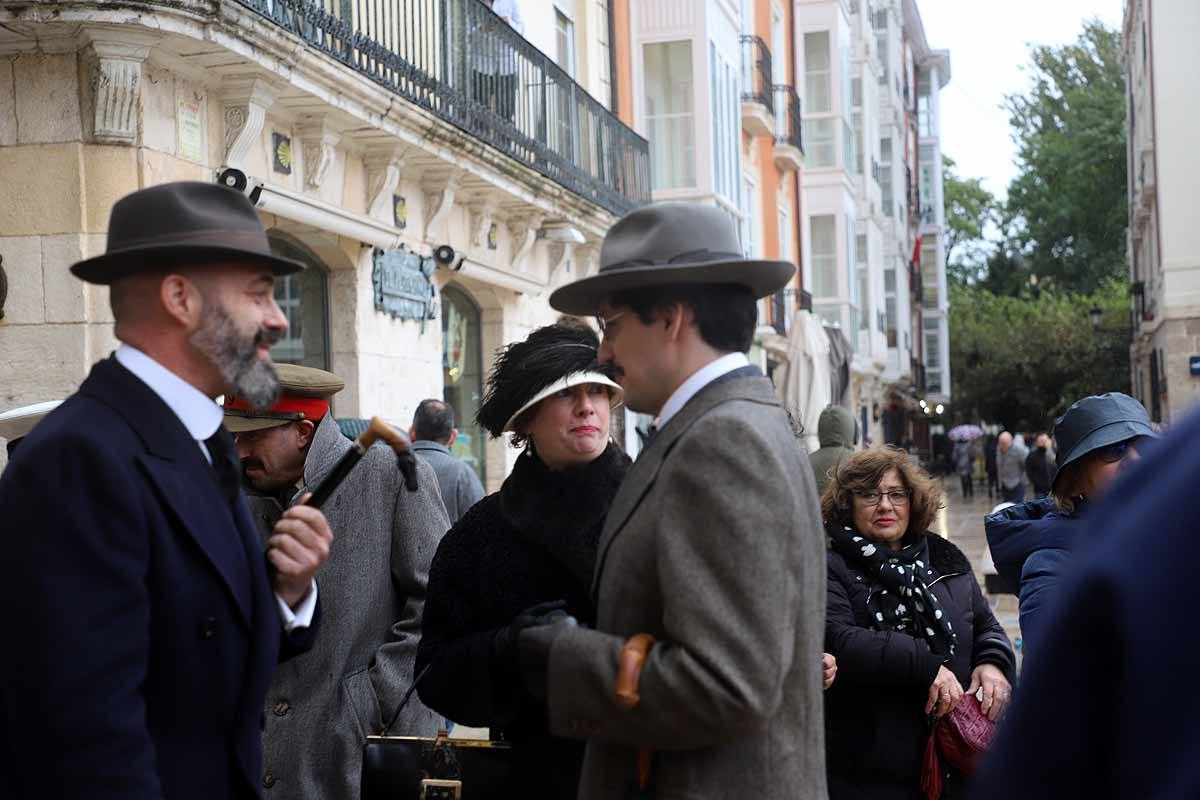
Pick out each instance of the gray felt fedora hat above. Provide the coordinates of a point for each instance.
(671, 243)
(187, 223)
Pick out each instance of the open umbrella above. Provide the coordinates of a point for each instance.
(965, 433)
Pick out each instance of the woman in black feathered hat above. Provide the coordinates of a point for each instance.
(524, 555)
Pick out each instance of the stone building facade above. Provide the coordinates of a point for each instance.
(367, 141)
(1164, 240)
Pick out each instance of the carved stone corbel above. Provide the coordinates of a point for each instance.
(524, 232)
(112, 89)
(247, 101)
(318, 143)
(384, 169)
(587, 259)
(560, 255)
(482, 217)
(439, 200)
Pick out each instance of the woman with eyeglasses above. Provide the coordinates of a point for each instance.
(1098, 438)
(908, 625)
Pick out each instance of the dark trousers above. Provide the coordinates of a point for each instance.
(993, 484)
(1013, 495)
(496, 92)
(968, 485)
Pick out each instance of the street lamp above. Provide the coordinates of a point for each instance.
(1096, 313)
(939, 409)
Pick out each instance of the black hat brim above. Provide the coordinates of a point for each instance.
(584, 297)
(105, 269)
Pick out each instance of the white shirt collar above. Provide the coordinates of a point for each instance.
(699, 379)
(198, 413)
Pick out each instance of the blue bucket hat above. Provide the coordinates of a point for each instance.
(1098, 421)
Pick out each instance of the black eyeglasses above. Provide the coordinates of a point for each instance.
(897, 496)
(1115, 452)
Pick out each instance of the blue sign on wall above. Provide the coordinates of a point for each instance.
(403, 285)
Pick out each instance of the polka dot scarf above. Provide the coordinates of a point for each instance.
(899, 599)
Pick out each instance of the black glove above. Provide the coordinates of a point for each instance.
(504, 644)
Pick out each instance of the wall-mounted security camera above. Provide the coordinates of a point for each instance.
(445, 256)
(240, 182)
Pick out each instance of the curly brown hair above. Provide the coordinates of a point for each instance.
(863, 471)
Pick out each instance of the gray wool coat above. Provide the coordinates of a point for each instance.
(322, 705)
(714, 546)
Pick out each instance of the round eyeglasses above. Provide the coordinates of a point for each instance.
(898, 497)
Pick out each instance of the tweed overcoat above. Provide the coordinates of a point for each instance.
(714, 546)
(322, 705)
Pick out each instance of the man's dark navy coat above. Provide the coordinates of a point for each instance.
(1107, 705)
(140, 626)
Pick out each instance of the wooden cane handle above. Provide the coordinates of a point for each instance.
(629, 669)
(379, 430)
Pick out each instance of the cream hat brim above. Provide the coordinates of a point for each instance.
(16, 423)
(616, 395)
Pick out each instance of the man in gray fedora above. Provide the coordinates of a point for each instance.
(713, 546)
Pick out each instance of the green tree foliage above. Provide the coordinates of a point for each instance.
(1023, 360)
(1068, 202)
(970, 211)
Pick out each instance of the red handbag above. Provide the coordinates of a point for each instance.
(960, 738)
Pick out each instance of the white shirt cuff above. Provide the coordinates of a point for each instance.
(302, 617)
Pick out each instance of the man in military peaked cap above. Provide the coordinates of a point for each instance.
(146, 626)
(372, 587)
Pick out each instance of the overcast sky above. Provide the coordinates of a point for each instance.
(988, 44)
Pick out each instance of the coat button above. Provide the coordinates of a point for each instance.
(208, 627)
(268, 779)
(281, 708)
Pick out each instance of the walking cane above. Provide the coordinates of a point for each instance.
(629, 674)
(378, 430)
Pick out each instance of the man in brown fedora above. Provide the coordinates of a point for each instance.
(147, 620)
(713, 546)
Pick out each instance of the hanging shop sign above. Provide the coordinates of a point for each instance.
(403, 283)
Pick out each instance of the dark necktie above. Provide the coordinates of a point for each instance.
(226, 467)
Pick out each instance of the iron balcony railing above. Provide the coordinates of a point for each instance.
(788, 127)
(756, 72)
(464, 64)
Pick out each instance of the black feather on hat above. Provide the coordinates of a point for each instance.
(522, 369)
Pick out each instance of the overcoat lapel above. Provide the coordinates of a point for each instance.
(735, 385)
(178, 471)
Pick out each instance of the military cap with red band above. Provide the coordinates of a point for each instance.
(305, 393)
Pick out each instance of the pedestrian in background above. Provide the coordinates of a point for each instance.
(908, 625)
(1106, 710)
(144, 624)
(990, 445)
(1035, 543)
(1040, 467)
(323, 704)
(837, 431)
(1010, 468)
(432, 435)
(526, 554)
(964, 466)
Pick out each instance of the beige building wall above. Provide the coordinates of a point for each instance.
(90, 112)
(1164, 168)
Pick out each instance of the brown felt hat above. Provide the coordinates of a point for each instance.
(181, 224)
(304, 394)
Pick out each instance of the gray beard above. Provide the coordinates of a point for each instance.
(236, 356)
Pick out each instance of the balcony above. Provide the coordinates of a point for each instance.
(466, 66)
(789, 141)
(758, 100)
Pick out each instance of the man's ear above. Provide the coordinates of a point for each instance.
(304, 432)
(181, 299)
(453, 437)
(676, 316)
